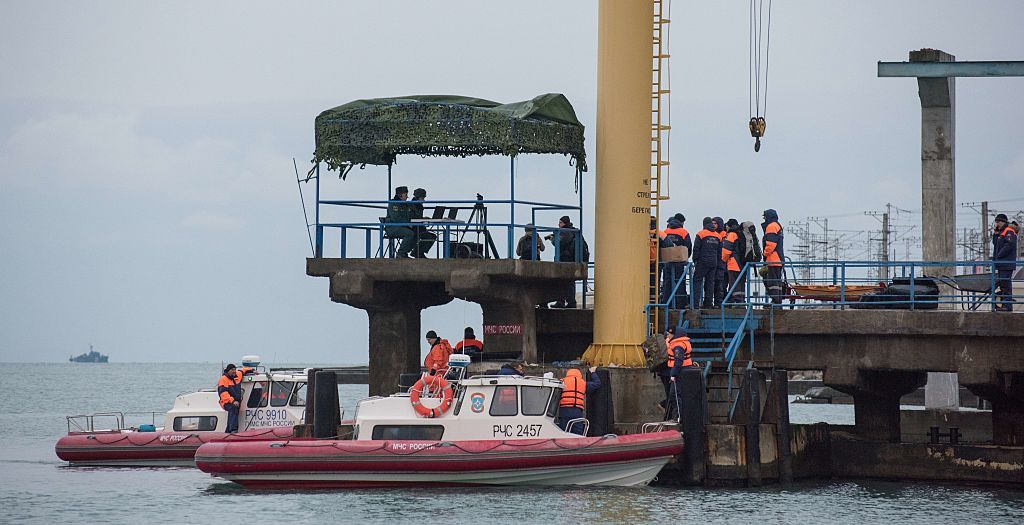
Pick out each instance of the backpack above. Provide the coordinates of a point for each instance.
(656, 352)
(748, 233)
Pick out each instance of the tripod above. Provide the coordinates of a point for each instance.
(478, 218)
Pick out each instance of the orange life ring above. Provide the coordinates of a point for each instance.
(446, 399)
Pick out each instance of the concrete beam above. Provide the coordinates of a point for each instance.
(980, 68)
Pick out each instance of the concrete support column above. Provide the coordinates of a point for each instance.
(394, 347)
(1005, 390)
(938, 197)
(876, 399)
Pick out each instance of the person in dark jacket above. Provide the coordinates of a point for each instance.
(424, 239)
(1004, 253)
(525, 246)
(514, 368)
(774, 255)
(707, 254)
(675, 235)
(721, 275)
(400, 211)
(229, 392)
(566, 251)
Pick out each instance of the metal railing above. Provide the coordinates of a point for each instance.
(448, 231)
(911, 285)
(87, 422)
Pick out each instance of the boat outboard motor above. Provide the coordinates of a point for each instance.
(458, 364)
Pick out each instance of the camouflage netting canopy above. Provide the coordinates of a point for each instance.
(375, 131)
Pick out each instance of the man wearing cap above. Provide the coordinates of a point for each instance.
(229, 390)
(524, 249)
(424, 238)
(436, 361)
(1004, 253)
(565, 246)
(675, 235)
(680, 356)
(400, 213)
(469, 344)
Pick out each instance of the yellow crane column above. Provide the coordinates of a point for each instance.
(622, 203)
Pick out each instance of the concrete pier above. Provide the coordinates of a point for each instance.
(393, 292)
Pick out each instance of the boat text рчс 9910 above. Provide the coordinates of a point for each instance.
(273, 401)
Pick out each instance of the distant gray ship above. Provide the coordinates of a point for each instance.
(91, 357)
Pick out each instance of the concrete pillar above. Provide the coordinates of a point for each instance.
(1005, 390)
(394, 347)
(938, 196)
(876, 398)
(938, 175)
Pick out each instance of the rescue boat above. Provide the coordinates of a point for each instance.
(273, 401)
(482, 430)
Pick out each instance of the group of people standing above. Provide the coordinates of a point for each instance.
(719, 252)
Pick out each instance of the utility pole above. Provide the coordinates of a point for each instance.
(984, 230)
(883, 252)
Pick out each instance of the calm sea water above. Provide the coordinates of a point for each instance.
(36, 487)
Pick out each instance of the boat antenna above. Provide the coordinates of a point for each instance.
(305, 215)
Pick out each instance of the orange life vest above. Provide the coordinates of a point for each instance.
(684, 342)
(437, 357)
(728, 245)
(469, 343)
(772, 236)
(574, 393)
(227, 385)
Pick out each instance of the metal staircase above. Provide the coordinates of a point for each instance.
(716, 340)
(660, 128)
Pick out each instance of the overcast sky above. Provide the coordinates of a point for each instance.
(148, 204)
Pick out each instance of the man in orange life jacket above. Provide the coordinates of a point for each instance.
(721, 274)
(1004, 253)
(774, 255)
(469, 344)
(436, 361)
(732, 255)
(574, 397)
(680, 356)
(707, 254)
(229, 389)
(672, 272)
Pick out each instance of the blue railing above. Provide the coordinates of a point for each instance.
(913, 285)
(449, 230)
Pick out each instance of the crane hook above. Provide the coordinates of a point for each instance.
(756, 126)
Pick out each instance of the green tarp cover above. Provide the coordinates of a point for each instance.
(375, 131)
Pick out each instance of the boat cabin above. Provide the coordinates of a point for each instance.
(270, 398)
(483, 407)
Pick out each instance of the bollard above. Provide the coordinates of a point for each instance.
(600, 412)
(693, 401)
(780, 383)
(752, 430)
(310, 396)
(326, 412)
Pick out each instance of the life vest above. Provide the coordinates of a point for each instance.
(728, 246)
(684, 342)
(676, 232)
(654, 242)
(437, 357)
(773, 244)
(228, 389)
(574, 392)
(474, 344)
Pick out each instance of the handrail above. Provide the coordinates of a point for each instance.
(576, 421)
